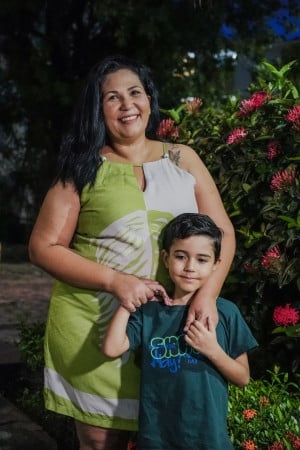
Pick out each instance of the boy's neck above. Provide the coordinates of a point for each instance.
(181, 298)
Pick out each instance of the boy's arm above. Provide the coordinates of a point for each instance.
(115, 341)
(204, 340)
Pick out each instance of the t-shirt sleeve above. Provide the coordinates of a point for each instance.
(134, 329)
(240, 337)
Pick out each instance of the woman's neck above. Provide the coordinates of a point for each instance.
(138, 152)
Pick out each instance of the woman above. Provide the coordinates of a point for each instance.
(97, 233)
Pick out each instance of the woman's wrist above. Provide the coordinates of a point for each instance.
(204, 298)
(109, 279)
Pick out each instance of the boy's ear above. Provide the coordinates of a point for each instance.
(217, 263)
(165, 258)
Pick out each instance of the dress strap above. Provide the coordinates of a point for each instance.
(165, 151)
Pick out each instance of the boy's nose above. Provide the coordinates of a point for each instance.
(189, 266)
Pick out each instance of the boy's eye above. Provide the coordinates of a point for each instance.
(202, 260)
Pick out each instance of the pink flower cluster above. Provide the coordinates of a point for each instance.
(237, 136)
(253, 103)
(277, 445)
(293, 116)
(284, 179)
(270, 256)
(296, 443)
(285, 315)
(274, 148)
(167, 129)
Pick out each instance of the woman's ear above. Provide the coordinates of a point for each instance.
(165, 258)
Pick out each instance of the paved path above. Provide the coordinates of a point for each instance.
(24, 296)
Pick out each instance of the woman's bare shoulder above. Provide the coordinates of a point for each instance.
(62, 194)
(183, 155)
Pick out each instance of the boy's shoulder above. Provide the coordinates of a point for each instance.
(227, 306)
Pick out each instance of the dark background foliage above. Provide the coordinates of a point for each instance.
(47, 48)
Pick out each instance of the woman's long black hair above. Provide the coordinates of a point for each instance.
(79, 156)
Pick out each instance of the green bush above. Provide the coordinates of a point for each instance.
(265, 414)
(251, 147)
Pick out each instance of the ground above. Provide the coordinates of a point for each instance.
(24, 296)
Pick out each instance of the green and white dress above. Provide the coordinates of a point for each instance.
(119, 226)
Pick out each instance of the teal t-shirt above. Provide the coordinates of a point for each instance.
(184, 398)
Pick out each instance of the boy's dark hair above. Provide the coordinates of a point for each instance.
(79, 158)
(192, 224)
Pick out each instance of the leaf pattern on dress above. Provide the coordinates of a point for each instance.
(127, 246)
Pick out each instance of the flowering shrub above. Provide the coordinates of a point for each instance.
(285, 316)
(265, 414)
(251, 148)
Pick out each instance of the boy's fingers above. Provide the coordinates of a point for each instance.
(189, 320)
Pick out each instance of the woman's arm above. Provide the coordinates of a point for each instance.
(49, 248)
(115, 341)
(203, 339)
(210, 203)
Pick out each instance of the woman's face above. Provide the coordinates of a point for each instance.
(126, 106)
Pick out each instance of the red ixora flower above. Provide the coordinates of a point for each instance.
(285, 315)
(284, 179)
(293, 116)
(249, 445)
(249, 413)
(274, 148)
(270, 256)
(277, 445)
(290, 436)
(253, 103)
(263, 400)
(167, 129)
(237, 136)
(296, 443)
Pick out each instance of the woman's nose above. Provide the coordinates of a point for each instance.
(125, 102)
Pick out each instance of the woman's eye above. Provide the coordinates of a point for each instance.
(135, 92)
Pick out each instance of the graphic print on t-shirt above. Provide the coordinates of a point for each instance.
(171, 352)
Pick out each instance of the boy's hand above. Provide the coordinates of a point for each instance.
(202, 337)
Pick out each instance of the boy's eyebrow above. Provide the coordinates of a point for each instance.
(185, 252)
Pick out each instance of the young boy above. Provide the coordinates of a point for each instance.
(184, 378)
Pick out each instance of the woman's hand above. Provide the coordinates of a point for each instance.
(201, 309)
(160, 293)
(133, 292)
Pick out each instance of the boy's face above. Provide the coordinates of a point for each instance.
(190, 262)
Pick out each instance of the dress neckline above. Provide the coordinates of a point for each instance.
(165, 155)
